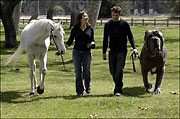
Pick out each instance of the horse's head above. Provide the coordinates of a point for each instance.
(57, 34)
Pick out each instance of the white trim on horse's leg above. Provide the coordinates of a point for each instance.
(32, 71)
(42, 70)
(35, 80)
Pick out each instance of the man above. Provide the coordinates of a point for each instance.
(116, 32)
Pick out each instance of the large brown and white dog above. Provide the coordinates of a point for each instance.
(153, 55)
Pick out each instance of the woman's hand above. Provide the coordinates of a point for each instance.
(66, 46)
(92, 45)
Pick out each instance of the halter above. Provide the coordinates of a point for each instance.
(52, 37)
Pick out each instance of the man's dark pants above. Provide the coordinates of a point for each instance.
(116, 66)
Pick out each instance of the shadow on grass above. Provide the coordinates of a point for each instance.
(60, 63)
(11, 96)
(7, 51)
(134, 92)
(72, 97)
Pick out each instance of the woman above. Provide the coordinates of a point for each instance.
(83, 34)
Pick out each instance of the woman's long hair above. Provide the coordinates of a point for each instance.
(77, 22)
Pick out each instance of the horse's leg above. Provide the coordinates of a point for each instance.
(35, 80)
(42, 73)
(32, 66)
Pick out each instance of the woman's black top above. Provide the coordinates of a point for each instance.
(115, 34)
(82, 38)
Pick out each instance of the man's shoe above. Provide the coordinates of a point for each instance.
(80, 94)
(88, 91)
(117, 94)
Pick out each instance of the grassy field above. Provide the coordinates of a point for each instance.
(60, 101)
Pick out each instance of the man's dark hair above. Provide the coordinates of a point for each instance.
(116, 9)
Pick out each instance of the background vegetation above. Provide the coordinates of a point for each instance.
(60, 100)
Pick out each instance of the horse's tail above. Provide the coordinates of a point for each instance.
(14, 58)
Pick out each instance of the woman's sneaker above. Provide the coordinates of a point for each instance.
(80, 95)
(117, 94)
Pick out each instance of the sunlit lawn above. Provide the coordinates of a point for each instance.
(60, 101)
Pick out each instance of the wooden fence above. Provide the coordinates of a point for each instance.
(132, 22)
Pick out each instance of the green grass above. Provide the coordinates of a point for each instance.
(60, 101)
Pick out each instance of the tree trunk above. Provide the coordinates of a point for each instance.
(35, 11)
(16, 16)
(72, 20)
(74, 12)
(6, 11)
(77, 6)
(50, 11)
(93, 8)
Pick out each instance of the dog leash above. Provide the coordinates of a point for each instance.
(132, 57)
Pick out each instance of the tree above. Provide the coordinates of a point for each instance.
(175, 10)
(106, 5)
(58, 10)
(93, 8)
(77, 6)
(16, 16)
(125, 6)
(6, 12)
(50, 10)
(35, 12)
(174, 7)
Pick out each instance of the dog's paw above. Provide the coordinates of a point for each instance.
(157, 91)
(149, 90)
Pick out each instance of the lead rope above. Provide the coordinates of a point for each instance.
(132, 57)
(52, 37)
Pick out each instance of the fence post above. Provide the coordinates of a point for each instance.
(167, 22)
(66, 21)
(142, 22)
(23, 20)
(131, 21)
(154, 22)
(0, 28)
(101, 21)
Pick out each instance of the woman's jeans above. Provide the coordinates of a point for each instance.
(116, 66)
(82, 61)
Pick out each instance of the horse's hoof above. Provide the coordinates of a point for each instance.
(40, 91)
(32, 94)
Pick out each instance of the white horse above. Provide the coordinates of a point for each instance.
(35, 40)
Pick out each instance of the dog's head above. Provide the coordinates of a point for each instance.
(153, 41)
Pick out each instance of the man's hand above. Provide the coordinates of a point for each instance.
(135, 53)
(104, 57)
